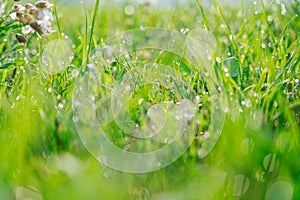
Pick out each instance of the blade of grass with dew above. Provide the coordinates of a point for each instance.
(232, 39)
(85, 36)
(57, 20)
(96, 8)
(203, 15)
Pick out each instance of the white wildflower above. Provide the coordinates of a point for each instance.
(27, 30)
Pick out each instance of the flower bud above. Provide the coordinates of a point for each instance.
(35, 24)
(43, 4)
(16, 8)
(33, 11)
(22, 40)
(24, 18)
(28, 6)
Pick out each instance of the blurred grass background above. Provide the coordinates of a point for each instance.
(257, 156)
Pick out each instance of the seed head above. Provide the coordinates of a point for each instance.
(22, 40)
(28, 6)
(37, 13)
(36, 25)
(43, 4)
(23, 18)
(33, 11)
(16, 8)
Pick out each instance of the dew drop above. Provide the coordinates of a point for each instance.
(140, 101)
(60, 106)
(206, 135)
(143, 27)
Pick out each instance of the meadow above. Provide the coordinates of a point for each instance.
(57, 72)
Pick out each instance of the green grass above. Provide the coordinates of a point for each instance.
(257, 60)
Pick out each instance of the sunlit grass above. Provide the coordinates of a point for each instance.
(257, 59)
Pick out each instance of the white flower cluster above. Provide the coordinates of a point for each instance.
(36, 18)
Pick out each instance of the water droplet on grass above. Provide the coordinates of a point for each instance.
(143, 28)
(60, 106)
(226, 110)
(56, 56)
(140, 101)
(127, 88)
(206, 135)
(283, 9)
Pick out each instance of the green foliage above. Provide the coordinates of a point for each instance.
(258, 61)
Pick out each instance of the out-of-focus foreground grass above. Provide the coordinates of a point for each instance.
(256, 157)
